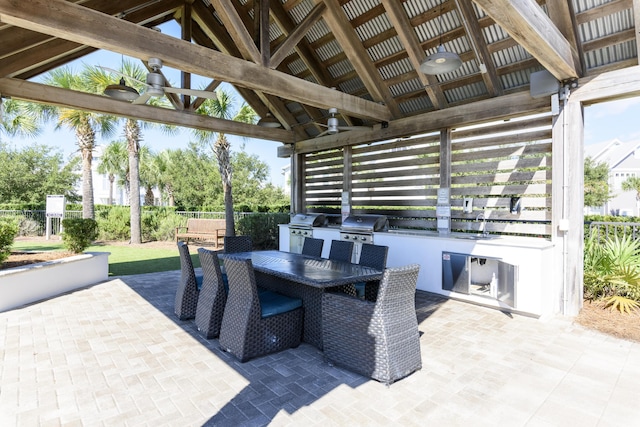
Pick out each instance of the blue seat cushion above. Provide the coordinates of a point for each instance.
(199, 279)
(360, 289)
(272, 303)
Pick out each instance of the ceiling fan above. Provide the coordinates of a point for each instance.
(334, 127)
(156, 85)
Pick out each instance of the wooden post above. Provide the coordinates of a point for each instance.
(567, 208)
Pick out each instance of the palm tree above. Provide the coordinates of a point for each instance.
(85, 124)
(222, 108)
(134, 75)
(633, 184)
(112, 163)
(161, 164)
(18, 118)
(148, 174)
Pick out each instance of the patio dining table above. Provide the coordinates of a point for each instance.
(305, 277)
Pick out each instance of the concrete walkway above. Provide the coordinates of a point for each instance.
(114, 354)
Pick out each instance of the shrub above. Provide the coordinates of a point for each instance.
(78, 233)
(612, 271)
(8, 232)
(166, 227)
(263, 228)
(114, 223)
(29, 227)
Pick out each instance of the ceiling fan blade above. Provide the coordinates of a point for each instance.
(326, 132)
(111, 70)
(142, 99)
(192, 92)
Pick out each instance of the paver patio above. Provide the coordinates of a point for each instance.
(114, 354)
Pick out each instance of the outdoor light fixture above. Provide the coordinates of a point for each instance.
(268, 121)
(442, 61)
(121, 91)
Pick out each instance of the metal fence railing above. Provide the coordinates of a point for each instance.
(33, 222)
(604, 230)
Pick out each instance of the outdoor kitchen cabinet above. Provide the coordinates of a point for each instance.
(483, 276)
(533, 291)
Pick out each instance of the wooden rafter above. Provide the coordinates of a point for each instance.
(351, 45)
(237, 29)
(407, 35)
(295, 36)
(36, 92)
(527, 23)
(98, 30)
(479, 46)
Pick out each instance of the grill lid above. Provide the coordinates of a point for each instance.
(307, 220)
(364, 223)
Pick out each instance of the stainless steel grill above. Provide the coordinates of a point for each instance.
(360, 229)
(301, 226)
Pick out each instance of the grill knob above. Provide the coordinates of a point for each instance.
(363, 238)
(355, 237)
(345, 237)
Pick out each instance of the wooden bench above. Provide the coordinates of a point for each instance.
(202, 229)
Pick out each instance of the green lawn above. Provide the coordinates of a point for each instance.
(124, 260)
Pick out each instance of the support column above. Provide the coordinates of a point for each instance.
(567, 208)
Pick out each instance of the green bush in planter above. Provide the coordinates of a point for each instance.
(78, 233)
(8, 232)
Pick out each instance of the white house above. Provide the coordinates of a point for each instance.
(623, 159)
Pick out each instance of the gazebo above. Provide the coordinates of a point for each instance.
(379, 103)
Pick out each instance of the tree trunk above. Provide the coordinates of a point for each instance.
(132, 134)
(221, 150)
(112, 179)
(149, 197)
(85, 137)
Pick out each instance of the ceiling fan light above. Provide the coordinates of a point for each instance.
(268, 121)
(121, 91)
(441, 62)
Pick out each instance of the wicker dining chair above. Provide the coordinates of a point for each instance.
(374, 256)
(312, 247)
(186, 299)
(377, 339)
(257, 323)
(341, 250)
(212, 297)
(237, 244)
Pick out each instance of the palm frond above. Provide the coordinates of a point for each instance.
(622, 304)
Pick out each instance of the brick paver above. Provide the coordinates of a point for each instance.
(114, 354)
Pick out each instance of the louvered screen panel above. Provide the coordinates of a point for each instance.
(493, 164)
(323, 179)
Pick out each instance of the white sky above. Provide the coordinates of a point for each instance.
(603, 122)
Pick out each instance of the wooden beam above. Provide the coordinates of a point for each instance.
(36, 92)
(297, 34)
(619, 84)
(263, 19)
(479, 47)
(358, 56)
(306, 54)
(185, 25)
(563, 17)
(407, 35)
(236, 28)
(478, 112)
(76, 23)
(636, 19)
(527, 23)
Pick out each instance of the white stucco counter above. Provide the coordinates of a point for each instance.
(530, 260)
